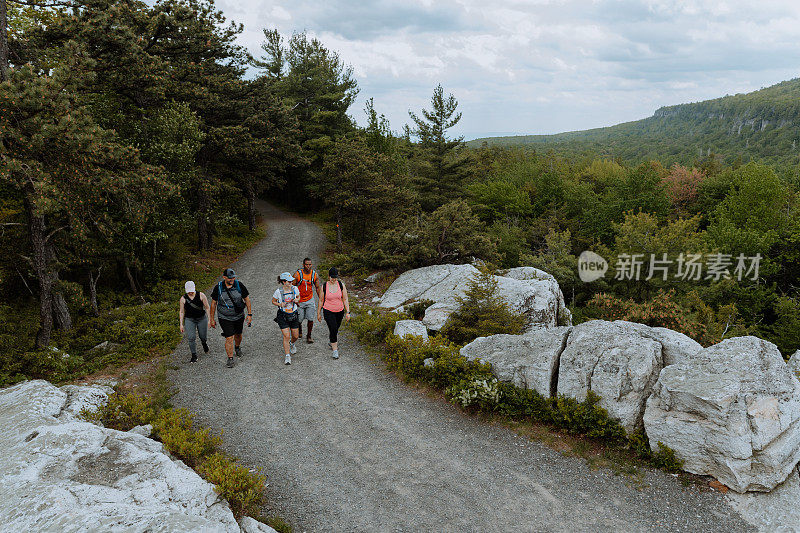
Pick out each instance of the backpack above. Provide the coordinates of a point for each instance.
(222, 286)
(303, 280)
(325, 289)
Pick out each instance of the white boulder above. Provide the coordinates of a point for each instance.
(439, 283)
(76, 476)
(529, 361)
(539, 298)
(676, 347)
(527, 273)
(414, 328)
(617, 362)
(732, 411)
(794, 363)
(437, 314)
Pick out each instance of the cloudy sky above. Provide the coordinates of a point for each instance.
(541, 66)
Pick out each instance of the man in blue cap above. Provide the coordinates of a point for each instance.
(229, 299)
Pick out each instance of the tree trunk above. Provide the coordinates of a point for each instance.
(63, 320)
(42, 260)
(3, 41)
(251, 207)
(131, 281)
(338, 230)
(93, 290)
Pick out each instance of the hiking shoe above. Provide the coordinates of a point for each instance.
(230, 362)
(287, 360)
(205, 346)
(292, 348)
(238, 351)
(194, 358)
(309, 340)
(335, 354)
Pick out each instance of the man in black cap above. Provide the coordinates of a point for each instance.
(229, 299)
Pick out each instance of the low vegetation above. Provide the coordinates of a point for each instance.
(470, 384)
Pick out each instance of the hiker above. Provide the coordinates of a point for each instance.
(229, 299)
(192, 316)
(307, 281)
(286, 298)
(335, 306)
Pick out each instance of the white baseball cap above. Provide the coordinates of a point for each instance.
(286, 277)
(189, 286)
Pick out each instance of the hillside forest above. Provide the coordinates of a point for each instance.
(134, 137)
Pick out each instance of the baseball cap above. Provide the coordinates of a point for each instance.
(286, 277)
(229, 273)
(189, 286)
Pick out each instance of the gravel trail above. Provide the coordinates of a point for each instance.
(348, 447)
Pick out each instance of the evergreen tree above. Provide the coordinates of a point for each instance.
(442, 173)
(74, 178)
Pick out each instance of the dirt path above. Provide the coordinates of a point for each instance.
(348, 447)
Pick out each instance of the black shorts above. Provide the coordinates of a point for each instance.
(287, 320)
(231, 327)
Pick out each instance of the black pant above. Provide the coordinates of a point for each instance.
(334, 320)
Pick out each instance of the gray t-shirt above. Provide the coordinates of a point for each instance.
(230, 302)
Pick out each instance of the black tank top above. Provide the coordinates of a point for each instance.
(189, 310)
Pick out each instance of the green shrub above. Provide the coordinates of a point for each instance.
(587, 418)
(450, 367)
(174, 427)
(665, 459)
(372, 329)
(243, 489)
(417, 309)
(482, 312)
(123, 412)
(483, 393)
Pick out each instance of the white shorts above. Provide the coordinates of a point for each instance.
(307, 310)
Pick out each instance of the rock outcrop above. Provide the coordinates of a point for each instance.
(58, 473)
(414, 328)
(732, 411)
(537, 296)
(614, 360)
(528, 361)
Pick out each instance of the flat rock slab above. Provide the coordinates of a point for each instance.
(732, 411)
(615, 361)
(76, 476)
(528, 361)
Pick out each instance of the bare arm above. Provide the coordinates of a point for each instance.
(318, 286)
(211, 321)
(346, 300)
(180, 313)
(204, 299)
(249, 309)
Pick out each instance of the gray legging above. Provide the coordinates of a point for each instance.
(201, 327)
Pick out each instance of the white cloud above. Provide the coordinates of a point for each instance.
(542, 66)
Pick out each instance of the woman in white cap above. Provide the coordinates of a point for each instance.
(193, 318)
(286, 298)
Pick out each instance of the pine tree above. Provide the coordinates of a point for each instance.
(441, 177)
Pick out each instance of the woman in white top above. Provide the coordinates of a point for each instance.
(285, 299)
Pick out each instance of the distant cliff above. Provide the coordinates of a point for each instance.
(762, 125)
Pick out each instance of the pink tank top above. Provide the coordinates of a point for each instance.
(333, 298)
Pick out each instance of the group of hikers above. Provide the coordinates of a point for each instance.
(294, 299)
